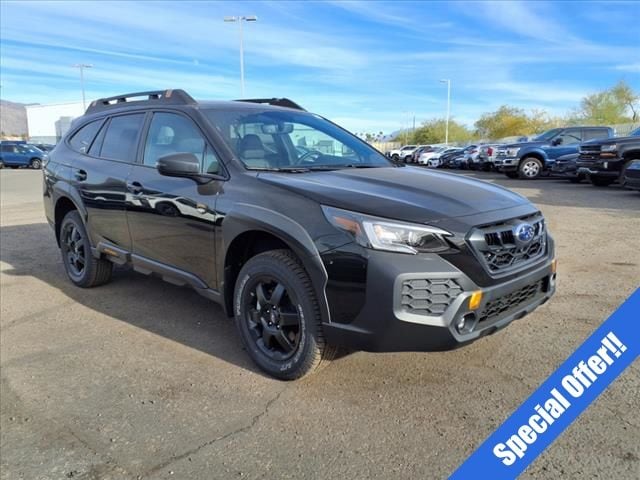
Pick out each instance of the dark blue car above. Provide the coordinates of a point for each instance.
(531, 159)
(18, 154)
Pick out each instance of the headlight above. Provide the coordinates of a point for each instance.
(512, 152)
(382, 234)
(609, 148)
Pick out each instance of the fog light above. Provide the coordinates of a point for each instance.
(475, 299)
(461, 323)
(466, 323)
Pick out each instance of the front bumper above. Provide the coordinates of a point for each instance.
(387, 323)
(506, 164)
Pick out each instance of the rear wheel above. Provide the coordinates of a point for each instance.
(395, 157)
(602, 181)
(530, 168)
(83, 269)
(278, 317)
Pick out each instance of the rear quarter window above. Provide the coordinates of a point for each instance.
(81, 140)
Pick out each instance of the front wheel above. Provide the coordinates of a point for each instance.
(278, 317)
(35, 163)
(530, 168)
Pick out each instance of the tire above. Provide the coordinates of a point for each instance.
(530, 168)
(82, 268)
(511, 174)
(1, 164)
(35, 163)
(395, 157)
(273, 290)
(602, 181)
(576, 179)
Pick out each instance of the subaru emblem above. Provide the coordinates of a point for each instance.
(524, 233)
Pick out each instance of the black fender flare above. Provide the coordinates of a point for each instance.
(245, 217)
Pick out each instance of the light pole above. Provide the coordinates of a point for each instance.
(446, 133)
(247, 18)
(82, 66)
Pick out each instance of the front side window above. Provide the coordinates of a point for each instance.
(82, 139)
(172, 133)
(288, 140)
(121, 137)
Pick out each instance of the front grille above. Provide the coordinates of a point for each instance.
(495, 308)
(589, 153)
(501, 252)
(429, 296)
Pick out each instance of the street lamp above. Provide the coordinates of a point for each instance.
(446, 134)
(82, 66)
(247, 18)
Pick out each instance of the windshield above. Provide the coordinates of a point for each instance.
(635, 133)
(549, 134)
(291, 141)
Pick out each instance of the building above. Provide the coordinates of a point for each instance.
(48, 123)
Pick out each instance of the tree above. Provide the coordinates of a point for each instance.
(505, 122)
(618, 104)
(433, 131)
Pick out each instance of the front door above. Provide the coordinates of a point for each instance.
(565, 143)
(172, 219)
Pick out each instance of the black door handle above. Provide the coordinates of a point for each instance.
(134, 187)
(80, 175)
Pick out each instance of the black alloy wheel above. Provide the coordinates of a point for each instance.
(272, 317)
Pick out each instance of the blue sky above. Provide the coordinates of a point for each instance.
(363, 64)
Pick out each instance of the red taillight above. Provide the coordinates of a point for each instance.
(489, 151)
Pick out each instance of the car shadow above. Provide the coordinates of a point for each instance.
(146, 302)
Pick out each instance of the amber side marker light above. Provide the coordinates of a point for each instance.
(475, 299)
(554, 265)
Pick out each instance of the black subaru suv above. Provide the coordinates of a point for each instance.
(308, 236)
(605, 161)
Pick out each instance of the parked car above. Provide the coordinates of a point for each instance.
(446, 159)
(632, 175)
(530, 160)
(307, 252)
(566, 166)
(428, 154)
(45, 147)
(487, 155)
(471, 157)
(436, 160)
(605, 161)
(402, 153)
(20, 154)
(417, 152)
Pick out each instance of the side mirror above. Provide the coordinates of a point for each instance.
(556, 141)
(178, 165)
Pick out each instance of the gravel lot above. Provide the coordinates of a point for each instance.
(142, 379)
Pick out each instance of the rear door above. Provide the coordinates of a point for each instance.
(594, 133)
(9, 155)
(105, 153)
(172, 219)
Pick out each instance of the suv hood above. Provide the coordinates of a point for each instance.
(404, 193)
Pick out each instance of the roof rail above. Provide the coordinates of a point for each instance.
(164, 97)
(278, 102)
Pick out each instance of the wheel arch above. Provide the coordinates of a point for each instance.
(64, 204)
(249, 230)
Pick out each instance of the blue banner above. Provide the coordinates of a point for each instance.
(560, 399)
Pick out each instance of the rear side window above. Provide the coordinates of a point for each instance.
(82, 139)
(8, 148)
(593, 133)
(121, 137)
